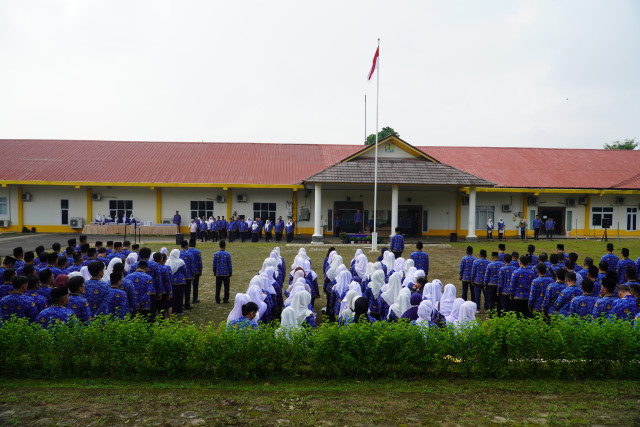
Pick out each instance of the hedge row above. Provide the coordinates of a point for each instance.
(504, 347)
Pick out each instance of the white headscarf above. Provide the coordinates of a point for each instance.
(355, 257)
(107, 273)
(402, 303)
(302, 252)
(390, 295)
(427, 292)
(274, 255)
(265, 264)
(333, 270)
(408, 264)
(455, 311)
(288, 324)
(308, 271)
(254, 226)
(163, 251)
(129, 261)
(174, 262)
(295, 288)
(298, 274)
(345, 306)
(267, 280)
(437, 290)
(85, 273)
(298, 262)
(256, 295)
(236, 311)
(377, 266)
(448, 297)
(355, 286)
(425, 311)
(330, 257)
(377, 282)
(361, 264)
(74, 274)
(467, 314)
(418, 274)
(300, 305)
(398, 265)
(342, 282)
(388, 260)
(410, 277)
(369, 271)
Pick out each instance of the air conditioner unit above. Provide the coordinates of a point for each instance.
(76, 222)
(221, 199)
(619, 200)
(305, 215)
(506, 208)
(582, 200)
(4, 222)
(96, 197)
(571, 202)
(465, 200)
(532, 201)
(242, 198)
(26, 197)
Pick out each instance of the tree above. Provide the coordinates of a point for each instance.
(628, 144)
(385, 132)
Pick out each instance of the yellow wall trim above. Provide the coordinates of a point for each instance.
(158, 206)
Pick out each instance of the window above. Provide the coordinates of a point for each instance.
(64, 212)
(425, 221)
(569, 224)
(201, 208)
(632, 219)
(483, 213)
(264, 211)
(119, 209)
(4, 205)
(600, 215)
(330, 220)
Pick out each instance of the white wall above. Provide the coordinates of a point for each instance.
(44, 207)
(144, 201)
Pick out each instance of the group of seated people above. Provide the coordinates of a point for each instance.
(85, 282)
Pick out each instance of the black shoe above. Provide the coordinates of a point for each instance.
(188, 307)
(195, 301)
(217, 302)
(225, 302)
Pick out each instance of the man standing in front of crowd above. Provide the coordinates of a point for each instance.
(279, 227)
(537, 225)
(397, 244)
(357, 218)
(223, 271)
(177, 219)
(549, 226)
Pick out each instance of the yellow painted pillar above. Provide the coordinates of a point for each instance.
(587, 216)
(229, 201)
(158, 206)
(89, 206)
(458, 212)
(294, 209)
(525, 206)
(20, 209)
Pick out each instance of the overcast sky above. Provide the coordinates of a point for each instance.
(484, 73)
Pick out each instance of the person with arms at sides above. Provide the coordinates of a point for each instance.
(521, 286)
(288, 229)
(539, 289)
(397, 243)
(178, 273)
(583, 305)
(255, 231)
(623, 264)
(177, 219)
(478, 271)
(549, 227)
(127, 286)
(189, 263)
(537, 225)
(32, 291)
(420, 259)
(533, 259)
(268, 229)
(7, 282)
(166, 298)
(144, 288)
(116, 303)
(490, 229)
(522, 225)
(278, 228)
(504, 283)
(501, 251)
(563, 303)
(491, 282)
(336, 226)
(95, 288)
(77, 303)
(193, 229)
(610, 258)
(501, 228)
(222, 270)
(626, 307)
(466, 266)
(247, 320)
(17, 302)
(58, 312)
(604, 304)
(357, 218)
(197, 269)
(372, 293)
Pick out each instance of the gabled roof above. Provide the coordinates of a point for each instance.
(400, 143)
(545, 167)
(396, 171)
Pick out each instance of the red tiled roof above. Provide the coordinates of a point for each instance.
(545, 167)
(166, 162)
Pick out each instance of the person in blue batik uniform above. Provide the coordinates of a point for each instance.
(397, 243)
(245, 322)
(52, 264)
(154, 272)
(17, 302)
(222, 270)
(177, 219)
(178, 273)
(610, 258)
(539, 289)
(166, 293)
(7, 287)
(563, 303)
(583, 305)
(420, 259)
(537, 225)
(77, 303)
(32, 291)
(143, 285)
(504, 283)
(626, 307)
(478, 271)
(521, 287)
(46, 284)
(244, 230)
(279, 227)
(58, 312)
(550, 226)
(95, 288)
(117, 252)
(604, 304)
(187, 257)
(115, 302)
(357, 218)
(288, 229)
(466, 265)
(492, 280)
(197, 269)
(622, 266)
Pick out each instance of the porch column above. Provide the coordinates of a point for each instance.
(317, 213)
(471, 234)
(394, 209)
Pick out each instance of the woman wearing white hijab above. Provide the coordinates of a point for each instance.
(398, 266)
(355, 257)
(388, 297)
(302, 252)
(387, 262)
(257, 296)
(109, 270)
(300, 305)
(178, 274)
(333, 269)
(131, 259)
(427, 292)
(295, 288)
(407, 265)
(340, 289)
(409, 279)
(289, 325)
(164, 251)
(313, 278)
(425, 313)
(448, 297)
(298, 274)
(437, 290)
(372, 293)
(85, 273)
(346, 308)
(402, 304)
(455, 311)
(360, 268)
(236, 311)
(467, 316)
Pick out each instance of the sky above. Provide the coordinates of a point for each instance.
(547, 73)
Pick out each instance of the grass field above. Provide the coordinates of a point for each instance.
(305, 402)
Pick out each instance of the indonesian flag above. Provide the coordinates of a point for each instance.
(374, 66)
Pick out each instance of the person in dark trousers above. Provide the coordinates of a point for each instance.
(397, 243)
(537, 225)
(223, 271)
(177, 219)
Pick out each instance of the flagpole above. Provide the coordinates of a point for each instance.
(374, 235)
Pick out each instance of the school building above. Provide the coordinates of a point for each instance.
(61, 185)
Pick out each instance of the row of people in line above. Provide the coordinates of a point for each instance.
(240, 229)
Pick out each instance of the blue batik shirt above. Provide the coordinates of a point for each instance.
(241, 324)
(80, 307)
(50, 316)
(583, 305)
(466, 265)
(563, 303)
(20, 305)
(610, 259)
(621, 269)
(603, 306)
(521, 283)
(154, 272)
(421, 261)
(188, 262)
(492, 273)
(94, 292)
(538, 291)
(504, 284)
(551, 296)
(279, 226)
(478, 270)
(397, 243)
(144, 288)
(625, 308)
(222, 264)
(197, 260)
(41, 302)
(116, 303)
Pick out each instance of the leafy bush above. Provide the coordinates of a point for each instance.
(502, 347)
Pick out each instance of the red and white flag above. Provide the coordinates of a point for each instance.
(374, 66)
